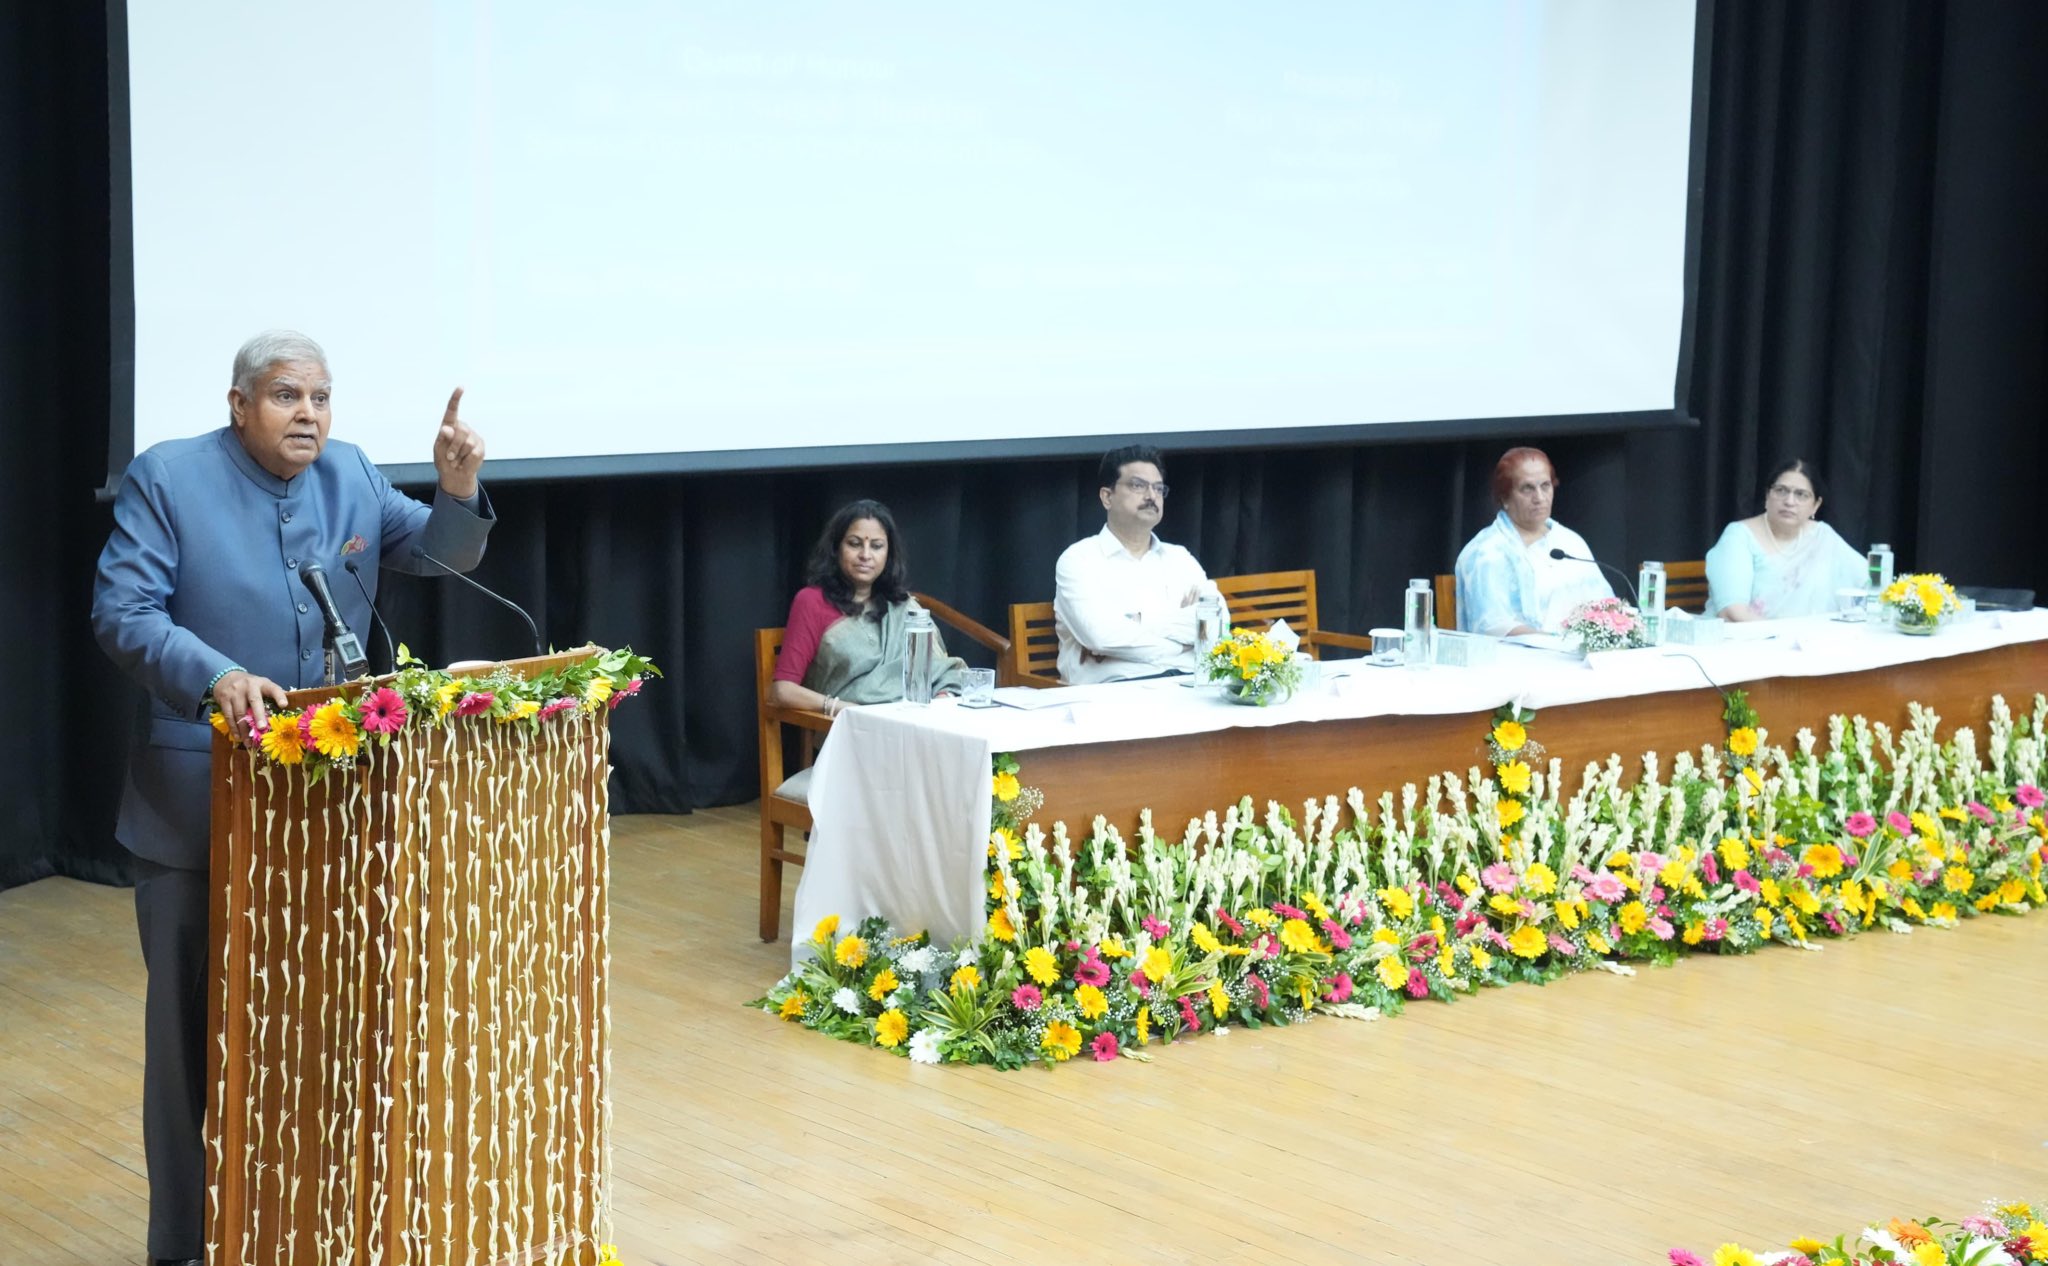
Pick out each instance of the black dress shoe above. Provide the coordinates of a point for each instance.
(177, 1261)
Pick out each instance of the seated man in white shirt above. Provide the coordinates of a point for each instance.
(1124, 601)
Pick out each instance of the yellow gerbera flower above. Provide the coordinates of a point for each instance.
(1734, 853)
(1742, 742)
(1398, 902)
(1144, 1025)
(1509, 812)
(522, 710)
(1113, 947)
(1006, 787)
(1062, 1041)
(1567, 914)
(1527, 941)
(446, 696)
(1481, 960)
(1635, 916)
(891, 1027)
(999, 925)
(281, 741)
(1090, 1002)
(1205, 940)
(966, 978)
(334, 735)
(219, 721)
(1510, 736)
(1954, 879)
(1219, 1001)
(1295, 935)
(1157, 965)
(851, 952)
(1041, 964)
(1502, 903)
(883, 984)
(793, 1006)
(1542, 880)
(826, 927)
(599, 690)
(1393, 973)
(1514, 777)
(1825, 859)
(1733, 1255)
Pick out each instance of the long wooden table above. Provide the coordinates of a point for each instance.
(1185, 776)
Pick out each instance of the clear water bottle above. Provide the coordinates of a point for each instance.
(920, 647)
(1418, 625)
(1211, 616)
(1881, 565)
(1650, 592)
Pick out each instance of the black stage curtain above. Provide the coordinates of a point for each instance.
(1872, 293)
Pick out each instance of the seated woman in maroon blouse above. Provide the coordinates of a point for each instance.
(844, 643)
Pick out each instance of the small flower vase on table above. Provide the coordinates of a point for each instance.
(1920, 604)
(1254, 669)
(1606, 624)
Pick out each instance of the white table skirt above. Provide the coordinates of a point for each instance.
(900, 794)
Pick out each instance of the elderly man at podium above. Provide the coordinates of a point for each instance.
(199, 598)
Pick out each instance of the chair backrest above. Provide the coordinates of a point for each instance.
(1446, 587)
(1034, 656)
(767, 647)
(1685, 585)
(1259, 599)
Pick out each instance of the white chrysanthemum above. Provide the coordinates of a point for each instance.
(924, 1047)
(847, 1000)
(967, 956)
(918, 960)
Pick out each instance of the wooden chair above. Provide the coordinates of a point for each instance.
(1257, 599)
(785, 792)
(1446, 586)
(1685, 585)
(1034, 658)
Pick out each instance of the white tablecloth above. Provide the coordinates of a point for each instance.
(900, 794)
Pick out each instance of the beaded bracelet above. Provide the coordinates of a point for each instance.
(231, 668)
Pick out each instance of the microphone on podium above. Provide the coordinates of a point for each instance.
(390, 651)
(347, 660)
(420, 552)
(1628, 584)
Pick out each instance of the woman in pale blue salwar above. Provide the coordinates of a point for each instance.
(1784, 562)
(1508, 581)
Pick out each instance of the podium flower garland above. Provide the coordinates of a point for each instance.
(333, 734)
(1105, 946)
(2008, 1234)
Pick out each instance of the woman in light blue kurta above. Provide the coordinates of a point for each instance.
(1784, 562)
(1508, 583)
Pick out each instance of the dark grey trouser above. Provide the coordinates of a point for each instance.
(171, 914)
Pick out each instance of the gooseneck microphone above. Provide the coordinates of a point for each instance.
(1616, 572)
(390, 651)
(345, 652)
(420, 552)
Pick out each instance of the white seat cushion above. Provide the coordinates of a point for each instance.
(796, 787)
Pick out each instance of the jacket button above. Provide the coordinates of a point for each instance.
(292, 563)
(307, 654)
(287, 516)
(302, 608)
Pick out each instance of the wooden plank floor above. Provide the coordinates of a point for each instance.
(1597, 1120)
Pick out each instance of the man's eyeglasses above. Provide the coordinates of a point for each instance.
(1142, 486)
(1797, 496)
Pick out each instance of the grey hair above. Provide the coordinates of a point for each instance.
(273, 347)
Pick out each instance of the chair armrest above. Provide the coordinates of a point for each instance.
(1350, 641)
(973, 629)
(802, 718)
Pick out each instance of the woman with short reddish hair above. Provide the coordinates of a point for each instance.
(1508, 582)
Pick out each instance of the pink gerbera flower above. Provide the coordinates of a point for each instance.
(1716, 929)
(1979, 812)
(1899, 822)
(475, 703)
(1710, 870)
(1026, 998)
(306, 729)
(556, 707)
(384, 711)
(1681, 1257)
(1660, 927)
(1258, 984)
(1223, 917)
(1339, 990)
(1189, 1016)
(1105, 1048)
(1339, 938)
(1563, 946)
(1747, 882)
(626, 692)
(1499, 877)
(1649, 863)
(1286, 911)
(1860, 825)
(1605, 887)
(1159, 928)
(1091, 971)
(1418, 984)
(2029, 795)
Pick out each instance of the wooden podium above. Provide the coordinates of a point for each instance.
(409, 1044)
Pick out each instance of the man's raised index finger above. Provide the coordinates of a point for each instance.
(450, 418)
